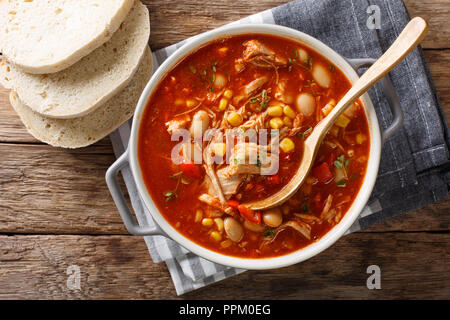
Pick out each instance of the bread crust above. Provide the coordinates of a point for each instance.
(88, 129)
(92, 81)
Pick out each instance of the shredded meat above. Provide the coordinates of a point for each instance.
(261, 56)
(256, 121)
(177, 123)
(303, 228)
(326, 208)
(215, 182)
(215, 203)
(307, 217)
(248, 90)
(230, 184)
(280, 91)
(242, 155)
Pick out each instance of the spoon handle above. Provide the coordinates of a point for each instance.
(408, 39)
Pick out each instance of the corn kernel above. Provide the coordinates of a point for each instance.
(351, 153)
(235, 119)
(223, 104)
(219, 224)
(228, 94)
(207, 222)
(288, 111)
(275, 111)
(226, 243)
(287, 145)
(220, 149)
(360, 138)
(198, 215)
(216, 235)
(276, 123)
(190, 103)
(287, 121)
(342, 121)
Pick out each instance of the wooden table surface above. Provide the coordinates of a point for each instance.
(55, 209)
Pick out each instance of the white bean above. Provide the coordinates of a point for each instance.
(254, 227)
(306, 104)
(321, 75)
(200, 122)
(220, 81)
(272, 217)
(233, 229)
(303, 55)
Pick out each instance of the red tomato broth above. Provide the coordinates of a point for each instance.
(193, 77)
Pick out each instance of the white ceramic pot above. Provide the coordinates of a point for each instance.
(130, 156)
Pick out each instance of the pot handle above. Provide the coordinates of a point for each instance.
(114, 188)
(391, 95)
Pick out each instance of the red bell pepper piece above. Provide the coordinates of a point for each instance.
(233, 203)
(191, 170)
(323, 173)
(318, 201)
(275, 179)
(249, 214)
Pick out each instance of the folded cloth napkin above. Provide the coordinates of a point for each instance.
(415, 166)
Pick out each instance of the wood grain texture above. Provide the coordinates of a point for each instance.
(176, 20)
(52, 191)
(437, 13)
(34, 267)
(55, 209)
(49, 190)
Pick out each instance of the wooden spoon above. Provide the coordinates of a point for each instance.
(410, 37)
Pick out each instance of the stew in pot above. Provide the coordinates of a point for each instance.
(264, 85)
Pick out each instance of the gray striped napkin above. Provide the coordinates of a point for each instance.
(414, 170)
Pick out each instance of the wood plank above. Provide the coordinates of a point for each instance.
(176, 20)
(439, 63)
(54, 191)
(34, 267)
(436, 13)
(48, 190)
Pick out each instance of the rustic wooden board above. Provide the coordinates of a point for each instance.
(55, 210)
(34, 267)
(437, 13)
(48, 190)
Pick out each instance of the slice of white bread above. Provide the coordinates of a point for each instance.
(83, 131)
(43, 36)
(90, 82)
